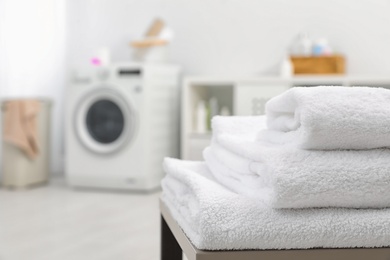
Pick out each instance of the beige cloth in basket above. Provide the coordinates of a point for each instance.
(20, 125)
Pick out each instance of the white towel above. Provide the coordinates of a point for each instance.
(238, 175)
(330, 118)
(296, 178)
(215, 218)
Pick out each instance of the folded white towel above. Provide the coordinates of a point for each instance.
(215, 218)
(330, 118)
(237, 173)
(300, 178)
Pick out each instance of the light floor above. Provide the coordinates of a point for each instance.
(55, 222)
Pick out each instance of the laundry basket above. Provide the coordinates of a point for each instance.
(18, 170)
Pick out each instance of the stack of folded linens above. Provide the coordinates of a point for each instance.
(315, 172)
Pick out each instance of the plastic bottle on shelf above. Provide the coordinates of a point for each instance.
(102, 58)
(225, 111)
(201, 117)
(286, 68)
(213, 105)
(301, 46)
(306, 45)
(321, 47)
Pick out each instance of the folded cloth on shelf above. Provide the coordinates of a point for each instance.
(329, 118)
(215, 218)
(289, 177)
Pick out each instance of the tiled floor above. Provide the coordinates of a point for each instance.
(55, 223)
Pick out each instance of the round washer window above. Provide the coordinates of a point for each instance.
(105, 121)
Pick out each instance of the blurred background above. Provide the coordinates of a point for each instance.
(94, 93)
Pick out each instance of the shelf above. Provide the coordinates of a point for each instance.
(199, 92)
(309, 79)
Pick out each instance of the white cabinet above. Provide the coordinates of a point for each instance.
(245, 96)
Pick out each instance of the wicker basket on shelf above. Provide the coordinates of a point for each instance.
(319, 64)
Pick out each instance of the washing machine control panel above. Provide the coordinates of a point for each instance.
(87, 76)
(127, 72)
(104, 74)
(81, 77)
(134, 74)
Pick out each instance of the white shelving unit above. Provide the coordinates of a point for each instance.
(246, 96)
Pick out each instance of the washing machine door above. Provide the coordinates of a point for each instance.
(104, 121)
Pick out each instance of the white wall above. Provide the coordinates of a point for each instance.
(32, 63)
(3, 61)
(235, 36)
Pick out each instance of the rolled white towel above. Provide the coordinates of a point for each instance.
(302, 178)
(214, 218)
(297, 178)
(329, 118)
(238, 174)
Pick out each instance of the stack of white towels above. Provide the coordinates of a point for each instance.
(315, 172)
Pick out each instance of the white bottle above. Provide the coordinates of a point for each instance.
(306, 45)
(225, 111)
(321, 47)
(301, 45)
(104, 55)
(286, 68)
(201, 117)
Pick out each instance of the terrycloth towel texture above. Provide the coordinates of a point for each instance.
(215, 218)
(20, 126)
(238, 174)
(327, 118)
(289, 177)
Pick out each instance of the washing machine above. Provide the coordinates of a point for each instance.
(121, 121)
